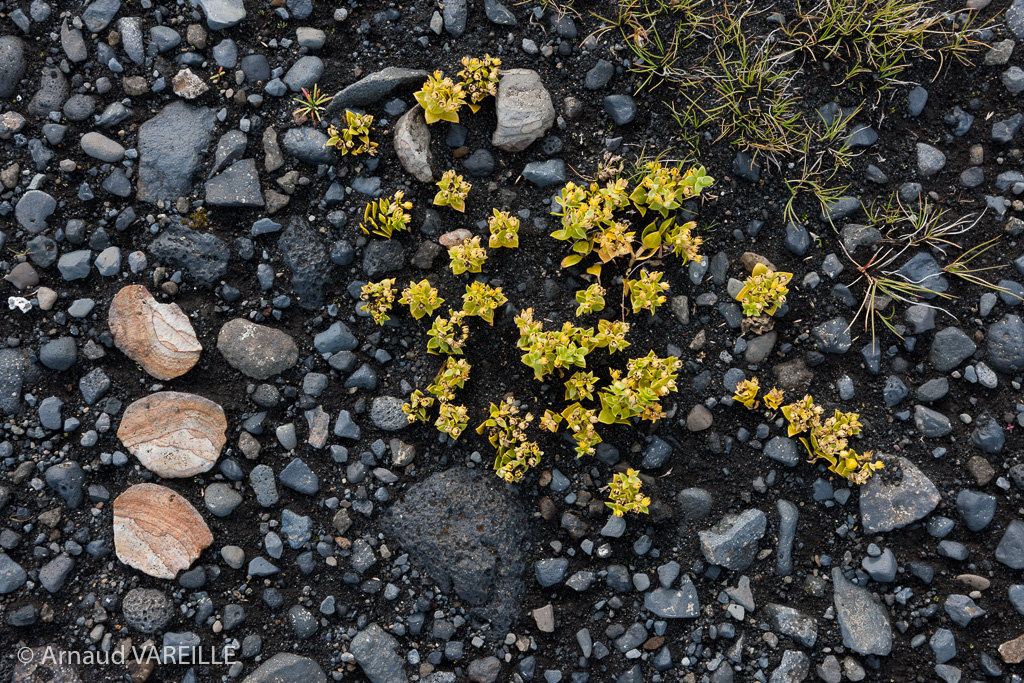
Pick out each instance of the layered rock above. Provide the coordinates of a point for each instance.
(157, 531)
(159, 337)
(174, 434)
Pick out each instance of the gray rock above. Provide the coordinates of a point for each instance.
(304, 73)
(59, 354)
(855, 237)
(53, 90)
(788, 516)
(308, 145)
(230, 149)
(309, 262)
(286, 667)
(551, 571)
(12, 576)
(930, 423)
(976, 508)
(298, 529)
(923, 270)
(454, 13)
(882, 568)
(221, 14)
(298, 477)
(863, 620)
(793, 624)
(334, 339)
(221, 499)
(131, 38)
(498, 14)
(147, 610)
(381, 257)
(302, 621)
(545, 173)
(1004, 131)
(733, 542)
(943, 644)
(66, 479)
(100, 147)
(668, 603)
(1005, 344)
(237, 187)
(933, 390)
(962, 609)
(262, 480)
(54, 573)
(784, 450)
(256, 350)
(170, 147)
(797, 240)
(833, 336)
(917, 98)
(201, 254)
(929, 160)
(163, 39)
(468, 536)
(412, 144)
(524, 110)
(622, 109)
(375, 651)
(32, 210)
(93, 386)
(861, 136)
(386, 413)
(98, 15)
(375, 87)
(793, 668)
(950, 347)
(480, 164)
(12, 373)
(746, 167)
(884, 506)
(693, 505)
(12, 65)
(1010, 550)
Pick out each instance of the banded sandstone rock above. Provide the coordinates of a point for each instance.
(174, 434)
(159, 337)
(157, 531)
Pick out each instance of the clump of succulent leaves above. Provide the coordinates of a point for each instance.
(379, 298)
(467, 257)
(451, 418)
(828, 439)
(746, 394)
(624, 494)
(594, 220)
(482, 300)
(387, 215)
(590, 300)
(354, 138)
(421, 298)
(452, 191)
(448, 335)
(504, 230)
(479, 79)
(505, 428)
(762, 294)
(441, 98)
(646, 292)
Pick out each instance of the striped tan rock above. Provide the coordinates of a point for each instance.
(157, 531)
(174, 434)
(159, 337)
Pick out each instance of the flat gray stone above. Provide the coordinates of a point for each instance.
(884, 506)
(862, 618)
(375, 87)
(171, 145)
